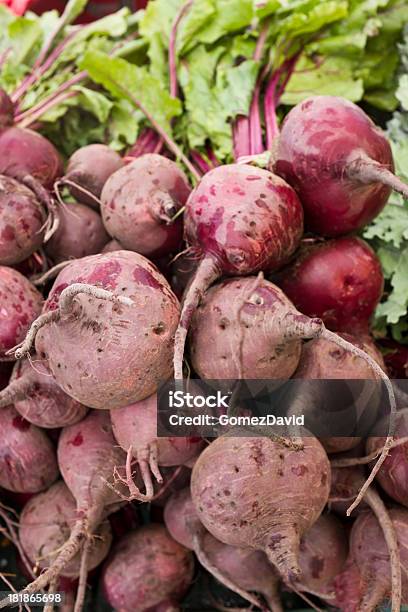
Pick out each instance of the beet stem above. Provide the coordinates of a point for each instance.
(16, 390)
(50, 274)
(24, 349)
(207, 272)
(67, 182)
(217, 573)
(352, 461)
(378, 507)
(68, 295)
(172, 47)
(332, 337)
(368, 171)
(83, 576)
(172, 145)
(37, 112)
(154, 461)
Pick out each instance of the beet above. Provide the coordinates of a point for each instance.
(135, 429)
(323, 553)
(338, 161)
(339, 281)
(145, 569)
(80, 233)
(37, 397)
(88, 170)
(263, 495)
(22, 221)
(348, 587)
(27, 458)
(100, 308)
(45, 526)
(239, 220)
(139, 202)
(26, 153)
(21, 304)
(250, 329)
(368, 548)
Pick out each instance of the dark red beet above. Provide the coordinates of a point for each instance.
(6, 110)
(88, 170)
(395, 357)
(340, 281)
(21, 303)
(24, 152)
(22, 221)
(338, 161)
(240, 220)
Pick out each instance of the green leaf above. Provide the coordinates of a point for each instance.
(391, 226)
(72, 10)
(230, 16)
(23, 35)
(121, 78)
(123, 125)
(396, 305)
(402, 91)
(323, 76)
(94, 102)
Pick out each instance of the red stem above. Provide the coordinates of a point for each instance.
(240, 136)
(34, 116)
(37, 73)
(201, 163)
(172, 48)
(47, 103)
(212, 157)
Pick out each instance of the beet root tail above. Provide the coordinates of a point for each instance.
(207, 272)
(217, 573)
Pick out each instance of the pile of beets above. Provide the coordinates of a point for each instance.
(115, 269)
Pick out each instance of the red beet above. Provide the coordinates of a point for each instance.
(139, 202)
(80, 233)
(21, 303)
(22, 221)
(260, 493)
(88, 170)
(369, 549)
(27, 458)
(340, 281)
(146, 568)
(37, 397)
(240, 220)
(27, 153)
(338, 161)
(323, 553)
